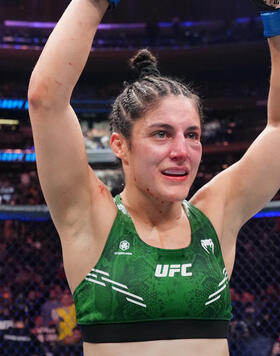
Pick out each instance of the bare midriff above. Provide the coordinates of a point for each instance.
(189, 347)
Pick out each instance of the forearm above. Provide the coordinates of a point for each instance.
(65, 54)
(274, 90)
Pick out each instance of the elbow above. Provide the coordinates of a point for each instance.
(38, 93)
(47, 93)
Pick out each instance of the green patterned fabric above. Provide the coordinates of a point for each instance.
(133, 281)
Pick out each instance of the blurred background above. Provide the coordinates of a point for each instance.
(218, 47)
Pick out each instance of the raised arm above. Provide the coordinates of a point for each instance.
(68, 183)
(255, 179)
(247, 186)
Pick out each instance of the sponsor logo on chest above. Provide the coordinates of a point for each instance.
(208, 245)
(171, 270)
(124, 246)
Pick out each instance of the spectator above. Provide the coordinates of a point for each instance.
(33, 304)
(71, 345)
(75, 338)
(65, 316)
(6, 319)
(46, 335)
(50, 305)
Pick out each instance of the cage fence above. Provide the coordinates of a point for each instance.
(34, 293)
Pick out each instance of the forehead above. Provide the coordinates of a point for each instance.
(173, 110)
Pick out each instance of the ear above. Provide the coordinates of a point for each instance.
(119, 146)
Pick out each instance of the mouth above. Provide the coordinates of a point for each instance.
(175, 172)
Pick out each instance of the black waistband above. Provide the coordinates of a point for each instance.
(155, 330)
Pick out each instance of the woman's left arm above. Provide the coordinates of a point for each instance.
(253, 181)
(274, 92)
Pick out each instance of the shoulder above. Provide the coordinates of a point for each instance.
(211, 199)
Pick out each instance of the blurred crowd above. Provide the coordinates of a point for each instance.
(255, 290)
(20, 188)
(217, 88)
(37, 314)
(23, 188)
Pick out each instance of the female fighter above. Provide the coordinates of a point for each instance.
(148, 270)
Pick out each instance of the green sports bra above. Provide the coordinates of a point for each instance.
(137, 292)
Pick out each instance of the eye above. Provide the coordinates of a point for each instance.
(193, 135)
(160, 134)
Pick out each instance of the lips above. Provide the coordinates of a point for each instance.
(175, 172)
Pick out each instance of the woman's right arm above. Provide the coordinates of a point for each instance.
(68, 183)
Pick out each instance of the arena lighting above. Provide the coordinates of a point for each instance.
(119, 26)
(80, 106)
(186, 23)
(104, 155)
(9, 122)
(14, 104)
(29, 157)
(51, 25)
(267, 214)
(208, 23)
(25, 212)
(243, 20)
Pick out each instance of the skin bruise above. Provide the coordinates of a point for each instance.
(101, 189)
(148, 191)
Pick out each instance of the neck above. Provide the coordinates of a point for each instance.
(149, 209)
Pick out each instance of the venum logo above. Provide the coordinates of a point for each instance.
(170, 270)
(208, 245)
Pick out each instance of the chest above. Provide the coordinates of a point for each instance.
(135, 281)
(172, 236)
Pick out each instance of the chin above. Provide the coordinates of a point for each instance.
(174, 196)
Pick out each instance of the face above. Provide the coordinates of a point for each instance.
(165, 150)
(66, 299)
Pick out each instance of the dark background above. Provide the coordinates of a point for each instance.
(133, 10)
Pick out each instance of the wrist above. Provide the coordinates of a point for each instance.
(271, 23)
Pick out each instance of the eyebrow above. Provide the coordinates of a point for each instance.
(167, 126)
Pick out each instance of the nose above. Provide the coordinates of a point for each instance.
(179, 149)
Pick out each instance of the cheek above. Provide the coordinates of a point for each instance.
(148, 155)
(197, 154)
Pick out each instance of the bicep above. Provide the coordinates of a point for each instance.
(64, 174)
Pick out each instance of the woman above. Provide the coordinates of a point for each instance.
(149, 274)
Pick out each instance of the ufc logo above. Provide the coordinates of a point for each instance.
(170, 270)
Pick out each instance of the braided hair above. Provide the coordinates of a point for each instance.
(145, 93)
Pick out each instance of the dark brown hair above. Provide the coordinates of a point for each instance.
(145, 93)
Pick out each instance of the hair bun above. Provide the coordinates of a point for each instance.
(145, 64)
